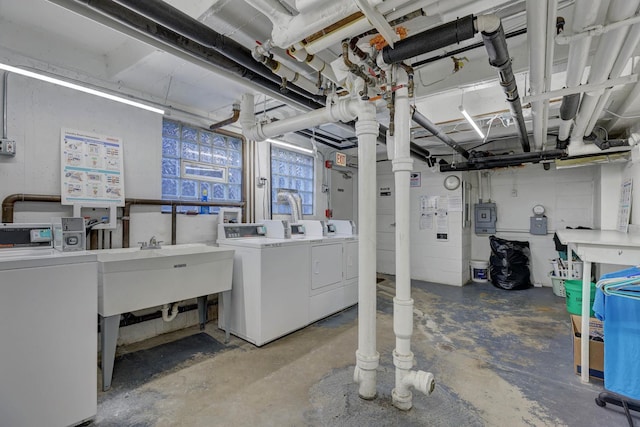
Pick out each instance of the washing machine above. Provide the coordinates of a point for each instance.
(270, 285)
(48, 330)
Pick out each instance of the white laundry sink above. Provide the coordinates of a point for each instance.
(132, 279)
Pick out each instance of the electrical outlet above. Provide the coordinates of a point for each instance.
(514, 193)
(7, 147)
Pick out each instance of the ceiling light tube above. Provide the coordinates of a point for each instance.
(471, 121)
(79, 88)
(290, 146)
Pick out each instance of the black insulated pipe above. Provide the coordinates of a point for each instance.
(147, 28)
(438, 132)
(499, 58)
(430, 40)
(503, 161)
(174, 19)
(569, 106)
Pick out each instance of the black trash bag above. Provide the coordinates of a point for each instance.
(510, 264)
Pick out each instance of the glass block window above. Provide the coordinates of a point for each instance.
(197, 163)
(294, 171)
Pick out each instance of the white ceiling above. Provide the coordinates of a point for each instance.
(42, 35)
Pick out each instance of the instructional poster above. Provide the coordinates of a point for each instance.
(92, 169)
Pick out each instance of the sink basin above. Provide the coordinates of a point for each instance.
(132, 279)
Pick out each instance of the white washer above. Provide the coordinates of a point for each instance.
(270, 292)
(48, 331)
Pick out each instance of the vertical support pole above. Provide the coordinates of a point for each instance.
(584, 328)
(202, 311)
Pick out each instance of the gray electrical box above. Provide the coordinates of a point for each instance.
(538, 225)
(485, 218)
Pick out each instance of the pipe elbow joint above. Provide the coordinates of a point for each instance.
(487, 23)
(422, 381)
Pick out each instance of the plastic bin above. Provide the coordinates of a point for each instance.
(479, 271)
(558, 286)
(573, 291)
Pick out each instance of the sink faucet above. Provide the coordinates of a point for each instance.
(153, 243)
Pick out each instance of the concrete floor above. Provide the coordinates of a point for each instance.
(500, 358)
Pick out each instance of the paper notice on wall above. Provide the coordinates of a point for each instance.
(426, 221)
(455, 203)
(442, 224)
(428, 204)
(624, 207)
(92, 169)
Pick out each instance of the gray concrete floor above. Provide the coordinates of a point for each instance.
(500, 358)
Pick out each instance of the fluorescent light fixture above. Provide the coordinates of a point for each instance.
(471, 121)
(290, 146)
(79, 88)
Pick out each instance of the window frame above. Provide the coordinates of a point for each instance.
(274, 189)
(183, 201)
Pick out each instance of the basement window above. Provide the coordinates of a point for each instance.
(293, 171)
(197, 163)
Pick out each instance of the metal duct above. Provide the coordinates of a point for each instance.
(479, 163)
(293, 198)
(499, 58)
(438, 132)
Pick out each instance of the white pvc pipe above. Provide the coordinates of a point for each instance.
(552, 8)
(402, 165)
(537, 25)
(602, 63)
(336, 110)
(367, 357)
(299, 53)
(165, 312)
(633, 38)
(584, 15)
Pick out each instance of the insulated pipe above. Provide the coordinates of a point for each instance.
(584, 15)
(402, 165)
(5, 85)
(537, 38)
(298, 52)
(430, 40)
(499, 58)
(462, 29)
(183, 24)
(479, 163)
(288, 75)
(367, 358)
(438, 132)
(602, 64)
(128, 22)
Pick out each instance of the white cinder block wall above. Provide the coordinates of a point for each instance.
(432, 260)
(569, 198)
(585, 196)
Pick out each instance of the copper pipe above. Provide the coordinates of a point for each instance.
(9, 202)
(174, 204)
(234, 118)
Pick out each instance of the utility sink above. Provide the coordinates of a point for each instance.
(132, 279)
